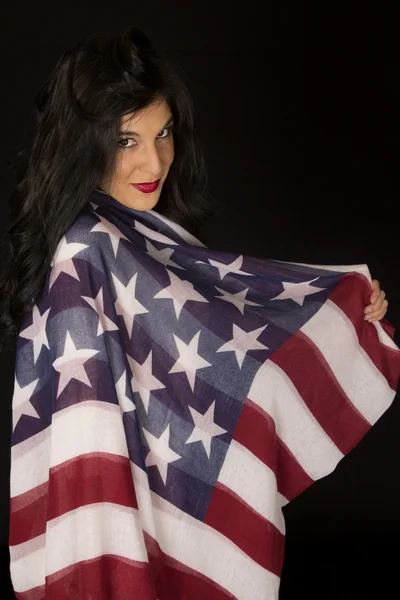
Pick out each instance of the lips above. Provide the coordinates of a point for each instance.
(147, 187)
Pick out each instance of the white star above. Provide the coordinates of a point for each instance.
(238, 299)
(163, 256)
(297, 291)
(205, 428)
(160, 453)
(125, 403)
(180, 291)
(62, 261)
(143, 381)
(70, 364)
(115, 234)
(37, 331)
(105, 324)
(242, 342)
(183, 233)
(21, 401)
(189, 360)
(153, 235)
(223, 269)
(126, 304)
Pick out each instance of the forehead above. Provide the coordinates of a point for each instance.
(154, 114)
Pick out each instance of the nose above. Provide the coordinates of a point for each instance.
(150, 162)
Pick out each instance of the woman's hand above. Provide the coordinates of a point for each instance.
(378, 307)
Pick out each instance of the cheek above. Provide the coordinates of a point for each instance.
(125, 165)
(168, 154)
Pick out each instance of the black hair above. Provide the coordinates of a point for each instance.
(78, 110)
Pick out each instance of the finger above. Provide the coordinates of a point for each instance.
(376, 291)
(379, 314)
(382, 310)
(377, 304)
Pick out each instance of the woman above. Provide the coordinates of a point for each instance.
(104, 501)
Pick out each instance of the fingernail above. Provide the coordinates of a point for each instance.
(369, 310)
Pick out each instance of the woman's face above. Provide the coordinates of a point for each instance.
(145, 154)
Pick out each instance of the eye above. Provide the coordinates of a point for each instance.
(168, 130)
(123, 140)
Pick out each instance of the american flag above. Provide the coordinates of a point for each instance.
(169, 400)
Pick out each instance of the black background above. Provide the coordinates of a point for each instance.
(297, 111)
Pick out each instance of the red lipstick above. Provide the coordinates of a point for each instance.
(147, 187)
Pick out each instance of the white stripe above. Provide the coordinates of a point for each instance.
(153, 235)
(98, 529)
(201, 548)
(27, 564)
(30, 463)
(185, 235)
(81, 534)
(72, 537)
(335, 336)
(384, 337)
(253, 481)
(295, 425)
(361, 268)
(90, 426)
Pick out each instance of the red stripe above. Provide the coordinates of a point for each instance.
(28, 514)
(36, 593)
(247, 529)
(101, 578)
(176, 581)
(388, 327)
(86, 479)
(106, 577)
(352, 295)
(313, 378)
(255, 431)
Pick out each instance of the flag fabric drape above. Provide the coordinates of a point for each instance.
(169, 400)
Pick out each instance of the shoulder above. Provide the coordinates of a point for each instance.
(91, 238)
(93, 251)
(86, 227)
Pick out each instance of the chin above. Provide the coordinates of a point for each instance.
(146, 203)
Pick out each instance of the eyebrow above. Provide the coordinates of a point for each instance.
(125, 132)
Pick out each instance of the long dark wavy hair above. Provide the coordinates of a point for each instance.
(78, 110)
